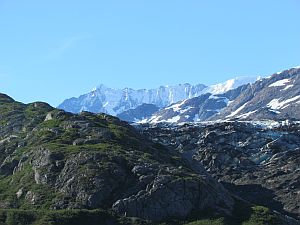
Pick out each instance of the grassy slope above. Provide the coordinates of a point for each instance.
(245, 215)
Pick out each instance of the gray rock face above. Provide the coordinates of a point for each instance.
(257, 162)
(139, 113)
(168, 197)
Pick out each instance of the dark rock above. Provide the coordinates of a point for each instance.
(243, 156)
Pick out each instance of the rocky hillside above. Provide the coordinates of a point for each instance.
(51, 159)
(61, 168)
(257, 161)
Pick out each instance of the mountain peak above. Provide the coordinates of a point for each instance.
(231, 84)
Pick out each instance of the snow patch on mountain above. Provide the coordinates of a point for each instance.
(154, 119)
(237, 111)
(287, 87)
(176, 107)
(174, 119)
(196, 118)
(277, 104)
(274, 111)
(186, 109)
(280, 83)
(245, 115)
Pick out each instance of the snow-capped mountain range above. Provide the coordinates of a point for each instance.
(117, 101)
(273, 98)
(196, 109)
(241, 98)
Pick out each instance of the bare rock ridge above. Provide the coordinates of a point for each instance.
(139, 113)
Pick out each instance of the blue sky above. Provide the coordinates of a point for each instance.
(52, 50)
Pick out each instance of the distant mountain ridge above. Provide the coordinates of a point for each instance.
(273, 98)
(196, 109)
(276, 97)
(116, 101)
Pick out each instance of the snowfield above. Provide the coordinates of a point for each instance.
(277, 104)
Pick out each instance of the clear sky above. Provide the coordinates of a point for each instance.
(55, 49)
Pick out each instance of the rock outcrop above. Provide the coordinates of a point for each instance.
(257, 161)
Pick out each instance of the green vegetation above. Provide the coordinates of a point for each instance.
(59, 217)
(257, 215)
(243, 214)
(261, 216)
(208, 222)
